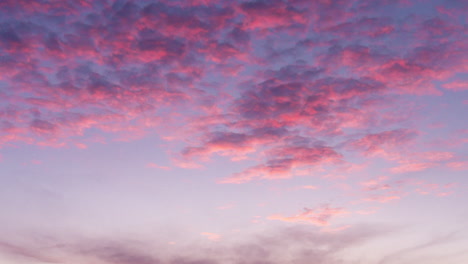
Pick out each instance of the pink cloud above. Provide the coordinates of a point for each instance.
(458, 165)
(376, 184)
(226, 206)
(336, 229)
(309, 187)
(370, 27)
(379, 143)
(419, 161)
(368, 211)
(43, 127)
(36, 162)
(436, 155)
(156, 166)
(291, 88)
(435, 189)
(283, 160)
(262, 15)
(320, 216)
(411, 167)
(224, 143)
(280, 84)
(211, 236)
(382, 198)
(81, 145)
(456, 85)
(382, 189)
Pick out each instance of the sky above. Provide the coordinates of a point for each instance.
(233, 132)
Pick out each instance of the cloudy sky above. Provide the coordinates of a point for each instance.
(233, 132)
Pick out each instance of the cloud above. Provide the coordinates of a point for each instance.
(378, 143)
(404, 253)
(283, 88)
(435, 189)
(42, 126)
(411, 167)
(127, 78)
(382, 198)
(320, 216)
(283, 160)
(382, 190)
(376, 184)
(156, 166)
(298, 244)
(261, 14)
(456, 85)
(309, 187)
(211, 236)
(458, 165)
(370, 27)
(25, 254)
(114, 252)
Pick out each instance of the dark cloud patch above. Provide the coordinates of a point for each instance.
(52, 43)
(239, 36)
(271, 100)
(372, 27)
(154, 44)
(42, 126)
(125, 14)
(295, 72)
(99, 86)
(438, 28)
(194, 20)
(9, 37)
(227, 138)
(275, 15)
(79, 44)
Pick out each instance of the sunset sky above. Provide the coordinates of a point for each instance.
(233, 132)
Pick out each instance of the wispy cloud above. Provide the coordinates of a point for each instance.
(320, 216)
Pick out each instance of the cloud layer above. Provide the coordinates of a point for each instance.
(361, 98)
